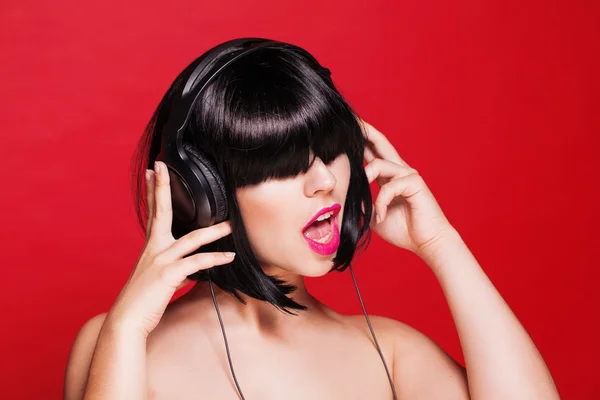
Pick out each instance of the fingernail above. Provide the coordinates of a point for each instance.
(230, 254)
(377, 218)
(156, 167)
(147, 175)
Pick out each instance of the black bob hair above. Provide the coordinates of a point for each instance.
(259, 119)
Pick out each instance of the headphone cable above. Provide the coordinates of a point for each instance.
(212, 292)
(364, 312)
(373, 333)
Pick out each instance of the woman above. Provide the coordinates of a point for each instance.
(289, 151)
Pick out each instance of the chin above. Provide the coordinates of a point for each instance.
(317, 268)
(312, 265)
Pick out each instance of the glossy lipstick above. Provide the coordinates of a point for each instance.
(332, 245)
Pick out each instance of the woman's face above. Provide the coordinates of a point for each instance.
(276, 212)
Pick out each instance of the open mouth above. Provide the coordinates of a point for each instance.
(322, 232)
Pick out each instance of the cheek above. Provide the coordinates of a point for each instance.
(341, 169)
(268, 211)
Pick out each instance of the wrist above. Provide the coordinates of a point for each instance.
(120, 326)
(437, 252)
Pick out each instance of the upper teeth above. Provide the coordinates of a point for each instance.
(325, 216)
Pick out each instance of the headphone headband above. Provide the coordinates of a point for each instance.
(183, 106)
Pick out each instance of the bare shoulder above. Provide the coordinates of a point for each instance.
(80, 357)
(422, 369)
(404, 337)
(383, 325)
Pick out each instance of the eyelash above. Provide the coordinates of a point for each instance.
(333, 159)
(329, 162)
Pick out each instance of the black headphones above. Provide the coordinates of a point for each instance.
(197, 191)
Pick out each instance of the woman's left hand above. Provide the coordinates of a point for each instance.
(409, 215)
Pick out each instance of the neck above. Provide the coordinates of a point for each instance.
(258, 315)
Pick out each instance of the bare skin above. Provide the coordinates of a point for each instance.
(145, 348)
(319, 354)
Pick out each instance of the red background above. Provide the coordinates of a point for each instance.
(494, 102)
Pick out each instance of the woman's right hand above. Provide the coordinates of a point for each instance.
(161, 268)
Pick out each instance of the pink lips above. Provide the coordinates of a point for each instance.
(332, 245)
(335, 208)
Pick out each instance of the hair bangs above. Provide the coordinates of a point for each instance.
(269, 119)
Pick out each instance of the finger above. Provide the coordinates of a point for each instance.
(195, 239)
(379, 168)
(406, 187)
(149, 199)
(199, 262)
(163, 213)
(381, 146)
(369, 156)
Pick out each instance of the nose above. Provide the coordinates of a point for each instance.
(319, 179)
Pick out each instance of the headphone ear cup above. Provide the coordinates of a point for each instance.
(217, 186)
